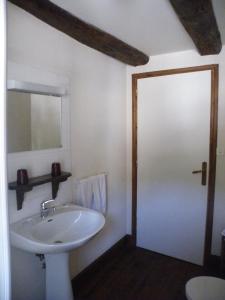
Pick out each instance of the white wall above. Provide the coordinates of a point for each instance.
(98, 134)
(178, 60)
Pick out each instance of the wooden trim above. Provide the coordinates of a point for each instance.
(83, 32)
(114, 251)
(174, 71)
(212, 147)
(134, 159)
(212, 161)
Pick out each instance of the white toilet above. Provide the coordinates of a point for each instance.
(205, 288)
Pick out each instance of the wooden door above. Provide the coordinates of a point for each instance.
(173, 142)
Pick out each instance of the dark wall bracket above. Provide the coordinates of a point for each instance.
(35, 181)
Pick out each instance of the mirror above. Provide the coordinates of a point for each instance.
(33, 121)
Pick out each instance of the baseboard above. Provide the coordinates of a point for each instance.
(114, 251)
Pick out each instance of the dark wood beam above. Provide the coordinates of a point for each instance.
(197, 17)
(83, 32)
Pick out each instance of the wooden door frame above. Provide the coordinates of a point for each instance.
(212, 146)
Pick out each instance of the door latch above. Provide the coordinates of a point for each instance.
(203, 171)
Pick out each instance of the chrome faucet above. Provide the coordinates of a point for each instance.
(47, 207)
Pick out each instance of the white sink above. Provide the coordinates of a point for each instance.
(68, 228)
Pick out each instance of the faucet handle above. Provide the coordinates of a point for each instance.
(47, 204)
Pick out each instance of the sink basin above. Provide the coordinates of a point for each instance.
(69, 227)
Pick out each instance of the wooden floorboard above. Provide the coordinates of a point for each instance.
(137, 274)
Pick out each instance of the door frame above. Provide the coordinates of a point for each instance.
(214, 68)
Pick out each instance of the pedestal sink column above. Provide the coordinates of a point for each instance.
(58, 283)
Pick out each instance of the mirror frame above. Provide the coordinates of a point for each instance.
(35, 88)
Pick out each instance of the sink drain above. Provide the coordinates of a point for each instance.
(57, 242)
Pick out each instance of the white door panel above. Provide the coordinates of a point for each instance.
(173, 140)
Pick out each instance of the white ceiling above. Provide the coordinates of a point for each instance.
(149, 25)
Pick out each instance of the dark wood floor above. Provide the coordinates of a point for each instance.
(137, 274)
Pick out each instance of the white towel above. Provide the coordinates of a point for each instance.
(91, 192)
(84, 193)
(99, 192)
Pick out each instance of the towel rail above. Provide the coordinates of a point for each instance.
(89, 176)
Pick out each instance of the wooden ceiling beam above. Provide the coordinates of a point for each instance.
(83, 32)
(197, 17)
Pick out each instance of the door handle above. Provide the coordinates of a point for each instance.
(203, 171)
